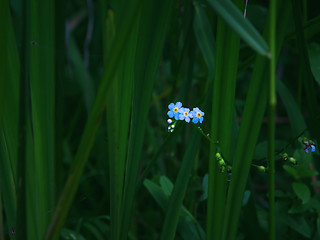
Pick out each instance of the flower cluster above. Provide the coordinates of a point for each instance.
(178, 112)
(308, 145)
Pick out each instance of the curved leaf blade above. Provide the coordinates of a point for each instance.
(232, 16)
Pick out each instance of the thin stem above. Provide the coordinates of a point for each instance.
(245, 9)
(202, 132)
(271, 120)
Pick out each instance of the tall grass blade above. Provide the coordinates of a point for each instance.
(224, 85)
(31, 186)
(1, 219)
(249, 130)
(271, 119)
(42, 86)
(88, 136)
(9, 115)
(180, 187)
(314, 58)
(149, 49)
(118, 119)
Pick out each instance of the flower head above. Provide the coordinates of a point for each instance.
(174, 110)
(197, 115)
(310, 148)
(184, 114)
(308, 145)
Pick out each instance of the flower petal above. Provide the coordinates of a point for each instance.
(178, 104)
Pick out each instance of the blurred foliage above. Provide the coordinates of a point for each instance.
(59, 76)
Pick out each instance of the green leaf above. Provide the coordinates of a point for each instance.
(205, 188)
(188, 227)
(314, 58)
(302, 191)
(246, 196)
(166, 185)
(300, 225)
(157, 193)
(301, 208)
(234, 18)
(299, 172)
(68, 234)
(93, 230)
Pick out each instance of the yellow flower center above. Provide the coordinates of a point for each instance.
(186, 114)
(198, 114)
(175, 110)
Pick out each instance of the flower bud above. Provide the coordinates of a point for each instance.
(293, 161)
(262, 169)
(221, 162)
(284, 157)
(218, 156)
(222, 169)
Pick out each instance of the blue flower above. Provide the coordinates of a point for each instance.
(310, 147)
(197, 115)
(174, 110)
(184, 114)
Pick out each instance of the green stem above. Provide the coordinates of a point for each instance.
(205, 135)
(271, 119)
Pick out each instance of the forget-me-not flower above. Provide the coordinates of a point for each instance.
(174, 110)
(310, 148)
(184, 114)
(197, 115)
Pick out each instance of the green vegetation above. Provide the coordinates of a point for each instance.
(94, 143)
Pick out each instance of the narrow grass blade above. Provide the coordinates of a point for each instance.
(180, 187)
(31, 186)
(271, 119)
(314, 58)
(118, 119)
(88, 136)
(249, 131)
(224, 86)
(232, 16)
(42, 86)
(204, 36)
(149, 49)
(1, 219)
(9, 107)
